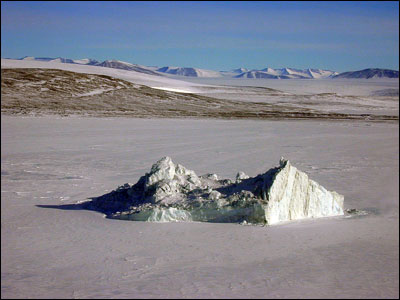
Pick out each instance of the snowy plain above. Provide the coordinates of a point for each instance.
(51, 250)
(339, 95)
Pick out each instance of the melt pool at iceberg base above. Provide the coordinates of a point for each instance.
(171, 193)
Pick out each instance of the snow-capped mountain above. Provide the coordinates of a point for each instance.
(240, 70)
(257, 74)
(191, 72)
(117, 64)
(369, 73)
(318, 73)
(287, 73)
(84, 61)
(62, 60)
(30, 58)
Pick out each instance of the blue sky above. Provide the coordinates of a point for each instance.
(339, 36)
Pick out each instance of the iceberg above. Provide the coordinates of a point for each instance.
(172, 193)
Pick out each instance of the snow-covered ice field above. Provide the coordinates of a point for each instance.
(51, 251)
(376, 96)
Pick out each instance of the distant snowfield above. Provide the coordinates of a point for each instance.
(345, 87)
(171, 89)
(53, 251)
(329, 95)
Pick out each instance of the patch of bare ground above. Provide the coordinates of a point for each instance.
(48, 91)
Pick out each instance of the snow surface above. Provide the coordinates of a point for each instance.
(94, 92)
(171, 89)
(344, 87)
(82, 61)
(50, 249)
(359, 96)
(29, 58)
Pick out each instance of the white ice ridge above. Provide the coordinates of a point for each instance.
(170, 192)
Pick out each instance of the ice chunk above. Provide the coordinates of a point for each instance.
(240, 176)
(167, 181)
(294, 196)
(169, 215)
(170, 192)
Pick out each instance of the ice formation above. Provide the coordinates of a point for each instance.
(170, 192)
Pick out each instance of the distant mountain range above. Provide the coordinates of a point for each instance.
(85, 61)
(369, 73)
(287, 73)
(192, 72)
(117, 64)
(268, 73)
